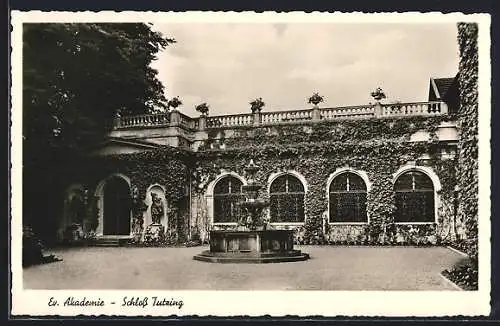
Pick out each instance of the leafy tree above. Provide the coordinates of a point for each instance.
(75, 78)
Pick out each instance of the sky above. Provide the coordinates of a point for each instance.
(227, 65)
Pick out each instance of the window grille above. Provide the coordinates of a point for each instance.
(347, 195)
(227, 195)
(287, 199)
(414, 194)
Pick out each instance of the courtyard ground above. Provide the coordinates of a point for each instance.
(330, 268)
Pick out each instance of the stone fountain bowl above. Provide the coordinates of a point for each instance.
(252, 246)
(251, 188)
(254, 204)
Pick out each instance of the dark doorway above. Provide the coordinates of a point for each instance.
(116, 207)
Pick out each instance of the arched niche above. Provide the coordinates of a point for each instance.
(74, 209)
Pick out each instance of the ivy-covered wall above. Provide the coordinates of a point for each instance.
(167, 167)
(378, 147)
(467, 166)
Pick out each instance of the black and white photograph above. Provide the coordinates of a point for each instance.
(254, 164)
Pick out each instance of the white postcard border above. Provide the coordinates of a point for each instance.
(258, 303)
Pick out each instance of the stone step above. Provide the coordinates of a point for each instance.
(110, 242)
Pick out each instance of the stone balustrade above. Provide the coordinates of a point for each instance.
(412, 109)
(143, 120)
(285, 116)
(366, 111)
(280, 117)
(187, 121)
(235, 120)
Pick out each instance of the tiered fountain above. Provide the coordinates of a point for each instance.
(251, 241)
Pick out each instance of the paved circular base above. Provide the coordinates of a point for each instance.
(251, 258)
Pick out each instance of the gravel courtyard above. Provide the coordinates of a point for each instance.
(330, 268)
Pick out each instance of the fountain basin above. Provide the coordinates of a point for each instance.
(253, 246)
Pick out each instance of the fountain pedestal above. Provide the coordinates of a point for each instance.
(254, 246)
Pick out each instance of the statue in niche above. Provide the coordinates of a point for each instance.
(157, 209)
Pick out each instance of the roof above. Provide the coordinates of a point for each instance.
(442, 85)
(439, 88)
(134, 142)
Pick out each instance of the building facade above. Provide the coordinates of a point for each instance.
(370, 174)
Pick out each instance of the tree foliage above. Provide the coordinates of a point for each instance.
(75, 77)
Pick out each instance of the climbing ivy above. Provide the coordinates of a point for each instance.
(377, 146)
(315, 150)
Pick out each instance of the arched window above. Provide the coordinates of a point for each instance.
(227, 195)
(287, 199)
(414, 198)
(347, 195)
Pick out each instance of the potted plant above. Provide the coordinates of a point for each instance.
(257, 105)
(174, 103)
(315, 99)
(202, 108)
(378, 94)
